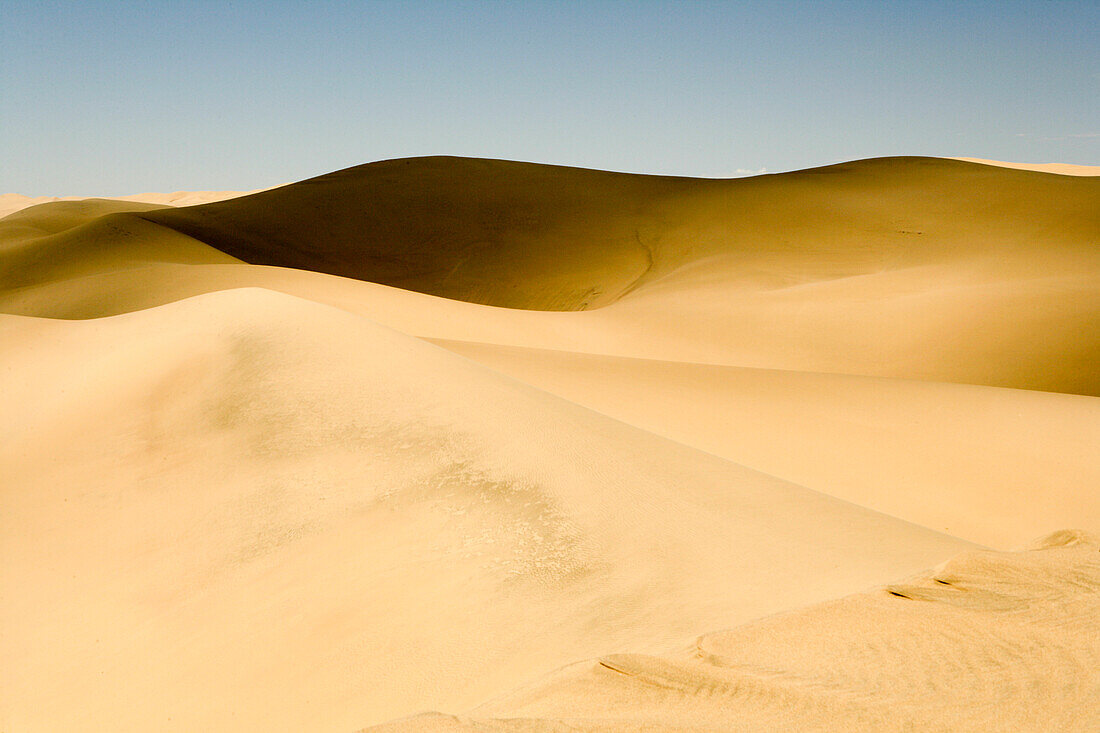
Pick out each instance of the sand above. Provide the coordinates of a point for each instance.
(13, 202)
(1062, 169)
(859, 268)
(287, 462)
(988, 641)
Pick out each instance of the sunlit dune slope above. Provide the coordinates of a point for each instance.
(988, 464)
(13, 202)
(1062, 169)
(245, 511)
(987, 641)
(546, 237)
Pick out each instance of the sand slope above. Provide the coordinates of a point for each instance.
(548, 237)
(862, 268)
(984, 463)
(1008, 463)
(13, 202)
(237, 496)
(61, 241)
(985, 642)
(321, 505)
(1062, 169)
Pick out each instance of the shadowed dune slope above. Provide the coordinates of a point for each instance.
(63, 240)
(246, 511)
(545, 237)
(988, 641)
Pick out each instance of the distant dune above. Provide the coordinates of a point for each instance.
(543, 237)
(1062, 169)
(421, 435)
(13, 202)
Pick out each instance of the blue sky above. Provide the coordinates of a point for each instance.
(104, 98)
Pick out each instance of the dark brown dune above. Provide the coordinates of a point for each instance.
(533, 236)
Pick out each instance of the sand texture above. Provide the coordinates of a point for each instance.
(988, 641)
(422, 435)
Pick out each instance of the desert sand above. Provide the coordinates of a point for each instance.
(13, 202)
(428, 434)
(1063, 169)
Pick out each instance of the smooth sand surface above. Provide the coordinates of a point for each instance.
(257, 474)
(13, 202)
(988, 641)
(984, 463)
(1062, 169)
(321, 503)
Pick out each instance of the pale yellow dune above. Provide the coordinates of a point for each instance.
(995, 642)
(987, 464)
(13, 202)
(307, 521)
(1062, 169)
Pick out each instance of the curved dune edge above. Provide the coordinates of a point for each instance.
(990, 641)
(541, 237)
(1062, 169)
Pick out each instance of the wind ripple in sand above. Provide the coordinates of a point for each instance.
(989, 641)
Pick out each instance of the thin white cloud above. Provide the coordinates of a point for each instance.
(1068, 136)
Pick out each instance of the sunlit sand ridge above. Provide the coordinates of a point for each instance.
(414, 435)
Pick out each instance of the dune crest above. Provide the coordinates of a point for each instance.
(544, 237)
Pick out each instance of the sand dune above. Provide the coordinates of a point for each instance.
(321, 504)
(13, 202)
(987, 464)
(814, 271)
(985, 642)
(65, 240)
(990, 465)
(547, 237)
(355, 481)
(1062, 169)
